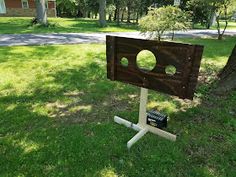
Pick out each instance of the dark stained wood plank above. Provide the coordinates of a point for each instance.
(185, 58)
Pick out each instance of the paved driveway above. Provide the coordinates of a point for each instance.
(78, 38)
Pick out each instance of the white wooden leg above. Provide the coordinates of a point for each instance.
(161, 133)
(127, 123)
(139, 135)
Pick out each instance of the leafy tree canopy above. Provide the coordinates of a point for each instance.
(159, 20)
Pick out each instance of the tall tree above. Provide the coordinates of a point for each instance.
(222, 12)
(117, 11)
(110, 10)
(129, 7)
(102, 13)
(204, 10)
(227, 77)
(41, 12)
(67, 8)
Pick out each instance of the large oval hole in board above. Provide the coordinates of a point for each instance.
(146, 60)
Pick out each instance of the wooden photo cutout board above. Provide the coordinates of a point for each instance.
(185, 58)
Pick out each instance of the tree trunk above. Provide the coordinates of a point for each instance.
(118, 15)
(159, 37)
(227, 77)
(102, 13)
(213, 19)
(89, 14)
(173, 35)
(115, 13)
(109, 17)
(137, 16)
(220, 35)
(79, 13)
(122, 15)
(208, 25)
(210, 19)
(129, 12)
(41, 12)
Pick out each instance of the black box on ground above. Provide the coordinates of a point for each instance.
(156, 119)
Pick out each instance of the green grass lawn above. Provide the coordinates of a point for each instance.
(57, 109)
(231, 26)
(19, 25)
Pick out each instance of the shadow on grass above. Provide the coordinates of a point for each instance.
(63, 127)
(33, 143)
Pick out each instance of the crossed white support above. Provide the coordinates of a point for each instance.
(142, 127)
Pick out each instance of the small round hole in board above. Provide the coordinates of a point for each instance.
(170, 70)
(124, 62)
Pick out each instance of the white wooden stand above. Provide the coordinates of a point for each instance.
(142, 127)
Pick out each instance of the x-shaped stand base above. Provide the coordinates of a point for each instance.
(142, 127)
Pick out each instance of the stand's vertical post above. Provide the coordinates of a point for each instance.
(143, 107)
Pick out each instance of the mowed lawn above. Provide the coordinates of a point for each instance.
(20, 25)
(57, 109)
(231, 26)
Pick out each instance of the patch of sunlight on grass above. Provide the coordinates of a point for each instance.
(73, 93)
(57, 104)
(52, 108)
(21, 50)
(82, 108)
(11, 107)
(108, 172)
(166, 106)
(210, 172)
(30, 69)
(187, 104)
(219, 61)
(7, 85)
(28, 146)
(40, 109)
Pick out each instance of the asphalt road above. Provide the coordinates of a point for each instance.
(79, 38)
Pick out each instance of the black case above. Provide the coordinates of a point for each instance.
(156, 119)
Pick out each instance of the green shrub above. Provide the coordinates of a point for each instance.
(168, 18)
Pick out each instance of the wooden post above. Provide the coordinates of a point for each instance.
(143, 107)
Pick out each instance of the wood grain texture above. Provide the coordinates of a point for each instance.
(184, 57)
